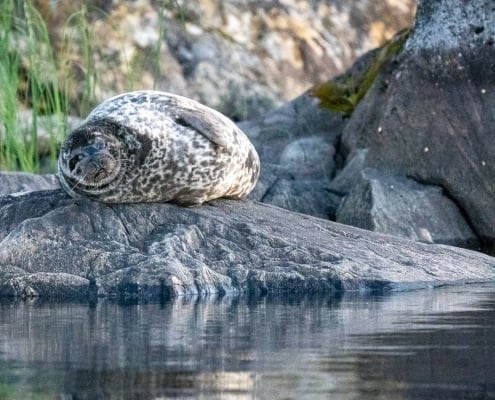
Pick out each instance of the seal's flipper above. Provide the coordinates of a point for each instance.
(201, 121)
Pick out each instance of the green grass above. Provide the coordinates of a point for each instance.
(55, 83)
(25, 29)
(9, 63)
(11, 392)
(83, 35)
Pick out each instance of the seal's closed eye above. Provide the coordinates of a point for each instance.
(74, 160)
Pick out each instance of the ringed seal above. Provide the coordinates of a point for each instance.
(150, 146)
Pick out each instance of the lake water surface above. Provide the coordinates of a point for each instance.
(429, 344)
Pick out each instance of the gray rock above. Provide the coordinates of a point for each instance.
(14, 182)
(309, 157)
(434, 29)
(429, 113)
(310, 197)
(347, 178)
(402, 207)
(279, 186)
(223, 87)
(299, 118)
(56, 247)
(300, 182)
(269, 175)
(296, 146)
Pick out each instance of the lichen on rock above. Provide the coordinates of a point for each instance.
(344, 92)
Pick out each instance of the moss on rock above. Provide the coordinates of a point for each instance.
(343, 93)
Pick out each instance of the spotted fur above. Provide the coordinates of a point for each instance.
(150, 146)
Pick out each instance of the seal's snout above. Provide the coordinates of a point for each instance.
(88, 153)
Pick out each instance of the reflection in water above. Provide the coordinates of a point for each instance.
(418, 345)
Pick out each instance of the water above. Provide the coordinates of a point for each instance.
(432, 344)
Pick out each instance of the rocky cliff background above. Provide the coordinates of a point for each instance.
(240, 57)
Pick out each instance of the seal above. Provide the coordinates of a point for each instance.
(150, 146)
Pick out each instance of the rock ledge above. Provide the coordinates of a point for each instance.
(56, 247)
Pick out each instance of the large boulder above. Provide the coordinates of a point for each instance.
(57, 247)
(429, 114)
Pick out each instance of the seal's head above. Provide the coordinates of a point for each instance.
(92, 159)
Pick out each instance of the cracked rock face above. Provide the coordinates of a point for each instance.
(55, 247)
